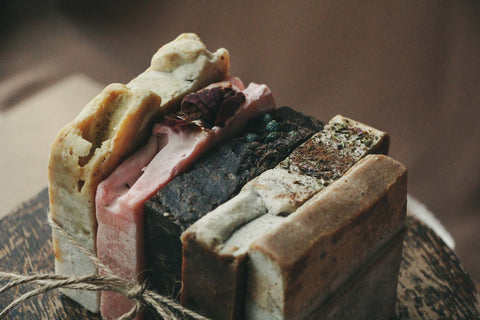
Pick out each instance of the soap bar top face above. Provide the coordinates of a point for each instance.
(331, 153)
(187, 48)
(183, 65)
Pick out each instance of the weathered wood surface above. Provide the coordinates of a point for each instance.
(432, 284)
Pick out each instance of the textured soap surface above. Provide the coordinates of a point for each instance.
(212, 180)
(327, 241)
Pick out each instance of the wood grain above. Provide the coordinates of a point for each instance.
(26, 248)
(432, 285)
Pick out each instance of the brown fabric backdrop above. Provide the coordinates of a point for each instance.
(409, 67)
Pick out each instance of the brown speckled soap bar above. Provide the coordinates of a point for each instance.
(296, 270)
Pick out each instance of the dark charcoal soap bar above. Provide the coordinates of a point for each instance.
(212, 180)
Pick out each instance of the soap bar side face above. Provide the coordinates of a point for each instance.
(372, 292)
(222, 269)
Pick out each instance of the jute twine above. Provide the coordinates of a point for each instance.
(163, 306)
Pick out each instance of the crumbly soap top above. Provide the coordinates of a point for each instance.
(180, 64)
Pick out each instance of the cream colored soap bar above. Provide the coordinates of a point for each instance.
(113, 125)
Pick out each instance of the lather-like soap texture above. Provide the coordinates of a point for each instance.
(109, 129)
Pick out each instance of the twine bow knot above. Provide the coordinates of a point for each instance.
(136, 292)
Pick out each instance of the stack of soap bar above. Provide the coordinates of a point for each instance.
(214, 179)
(216, 246)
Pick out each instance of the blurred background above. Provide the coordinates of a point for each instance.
(409, 67)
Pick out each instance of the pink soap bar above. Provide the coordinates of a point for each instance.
(174, 146)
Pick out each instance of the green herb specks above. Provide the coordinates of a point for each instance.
(267, 118)
(251, 137)
(272, 126)
(271, 136)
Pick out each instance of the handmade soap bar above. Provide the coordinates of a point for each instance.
(296, 268)
(109, 129)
